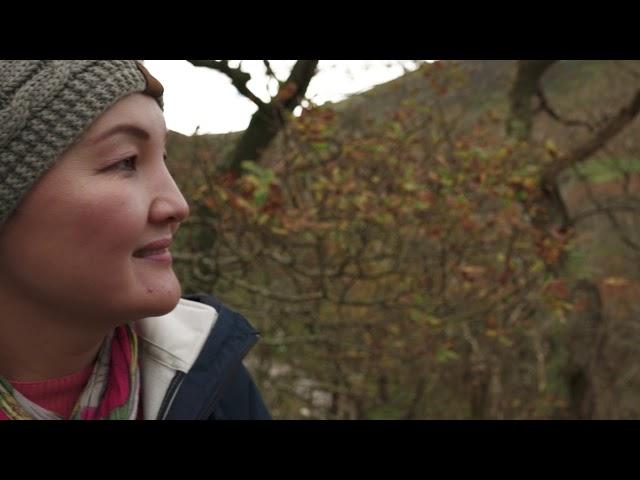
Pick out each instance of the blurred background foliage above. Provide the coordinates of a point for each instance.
(462, 242)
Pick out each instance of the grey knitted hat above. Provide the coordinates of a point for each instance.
(46, 105)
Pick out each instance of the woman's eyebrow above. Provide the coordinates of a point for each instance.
(132, 130)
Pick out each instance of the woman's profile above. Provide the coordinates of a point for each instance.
(93, 321)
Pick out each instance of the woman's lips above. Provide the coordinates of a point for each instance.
(162, 255)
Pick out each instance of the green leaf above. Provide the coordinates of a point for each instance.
(320, 146)
(445, 355)
(260, 196)
(252, 167)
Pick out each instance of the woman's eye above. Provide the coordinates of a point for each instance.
(128, 164)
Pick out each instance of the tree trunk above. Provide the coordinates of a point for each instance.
(269, 119)
(584, 346)
(587, 339)
(521, 96)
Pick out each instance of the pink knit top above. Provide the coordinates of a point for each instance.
(58, 394)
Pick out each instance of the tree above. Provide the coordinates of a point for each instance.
(366, 258)
(270, 117)
(412, 267)
(526, 87)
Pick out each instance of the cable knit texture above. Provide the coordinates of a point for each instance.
(45, 106)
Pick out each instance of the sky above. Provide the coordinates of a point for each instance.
(200, 97)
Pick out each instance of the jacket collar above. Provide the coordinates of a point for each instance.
(201, 390)
(169, 344)
(202, 344)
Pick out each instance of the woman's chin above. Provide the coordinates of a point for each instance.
(162, 299)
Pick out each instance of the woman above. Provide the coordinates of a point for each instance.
(92, 323)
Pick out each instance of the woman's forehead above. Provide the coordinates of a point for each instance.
(137, 114)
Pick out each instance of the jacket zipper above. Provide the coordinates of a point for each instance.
(206, 412)
(176, 381)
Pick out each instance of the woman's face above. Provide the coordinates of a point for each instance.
(70, 245)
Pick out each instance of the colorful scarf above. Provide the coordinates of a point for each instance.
(112, 391)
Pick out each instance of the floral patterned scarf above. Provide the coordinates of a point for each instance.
(112, 391)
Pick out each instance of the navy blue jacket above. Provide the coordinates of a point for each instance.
(218, 386)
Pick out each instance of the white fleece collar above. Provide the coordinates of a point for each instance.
(171, 343)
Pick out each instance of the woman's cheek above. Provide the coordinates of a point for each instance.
(111, 220)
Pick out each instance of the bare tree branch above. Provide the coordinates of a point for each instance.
(545, 106)
(271, 73)
(582, 152)
(608, 212)
(274, 296)
(270, 117)
(268, 121)
(602, 210)
(239, 79)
